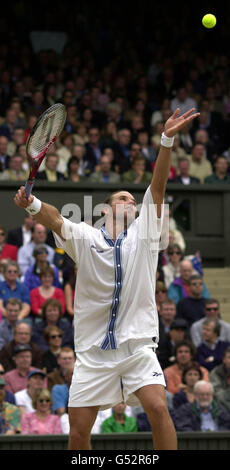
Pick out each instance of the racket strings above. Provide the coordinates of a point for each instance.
(48, 128)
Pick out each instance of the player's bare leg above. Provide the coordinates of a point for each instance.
(81, 421)
(152, 398)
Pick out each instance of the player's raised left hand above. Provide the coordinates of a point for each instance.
(175, 123)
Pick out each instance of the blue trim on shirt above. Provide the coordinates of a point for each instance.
(109, 341)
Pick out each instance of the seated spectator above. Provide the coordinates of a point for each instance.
(69, 292)
(46, 291)
(78, 151)
(9, 397)
(13, 309)
(156, 135)
(81, 136)
(122, 150)
(93, 149)
(147, 150)
(119, 421)
(22, 337)
(41, 421)
(177, 153)
(50, 173)
(53, 338)
(72, 174)
(183, 101)
(224, 394)
(171, 270)
(103, 173)
(138, 173)
(201, 135)
(191, 308)
(204, 414)
(12, 287)
(32, 275)
(52, 316)
(65, 360)
(24, 397)
(21, 235)
(109, 135)
(180, 288)
(7, 250)
(15, 172)
(17, 139)
(175, 236)
(200, 167)
(184, 176)
(220, 175)
(211, 310)
(190, 376)
(25, 253)
(16, 379)
(64, 152)
(160, 294)
(210, 352)
(219, 375)
(9, 413)
(60, 393)
(185, 354)
(167, 313)
(4, 157)
(9, 124)
(166, 348)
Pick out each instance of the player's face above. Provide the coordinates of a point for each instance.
(124, 206)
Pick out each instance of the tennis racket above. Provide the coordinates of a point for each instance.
(44, 133)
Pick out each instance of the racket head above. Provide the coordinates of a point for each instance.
(45, 132)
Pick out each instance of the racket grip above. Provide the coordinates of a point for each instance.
(28, 188)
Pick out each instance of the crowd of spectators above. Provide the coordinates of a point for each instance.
(37, 342)
(118, 94)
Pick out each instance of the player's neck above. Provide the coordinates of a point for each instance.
(114, 228)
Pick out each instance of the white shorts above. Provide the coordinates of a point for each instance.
(105, 378)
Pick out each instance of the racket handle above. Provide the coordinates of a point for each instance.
(28, 187)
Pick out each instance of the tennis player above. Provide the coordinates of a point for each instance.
(116, 321)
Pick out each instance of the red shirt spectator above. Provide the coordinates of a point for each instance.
(46, 291)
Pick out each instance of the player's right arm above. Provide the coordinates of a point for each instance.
(48, 215)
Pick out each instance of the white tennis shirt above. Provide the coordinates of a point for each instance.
(115, 287)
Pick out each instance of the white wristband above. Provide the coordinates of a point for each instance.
(166, 141)
(34, 207)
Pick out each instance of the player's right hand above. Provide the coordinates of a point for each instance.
(21, 200)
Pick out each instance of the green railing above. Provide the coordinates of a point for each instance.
(202, 211)
(127, 441)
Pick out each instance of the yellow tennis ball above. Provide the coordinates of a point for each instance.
(209, 21)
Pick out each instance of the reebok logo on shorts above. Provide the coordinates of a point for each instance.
(156, 374)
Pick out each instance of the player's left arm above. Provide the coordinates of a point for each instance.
(161, 170)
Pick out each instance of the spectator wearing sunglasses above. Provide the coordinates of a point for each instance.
(53, 336)
(211, 310)
(191, 308)
(172, 269)
(41, 421)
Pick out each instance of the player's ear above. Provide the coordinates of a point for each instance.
(105, 210)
